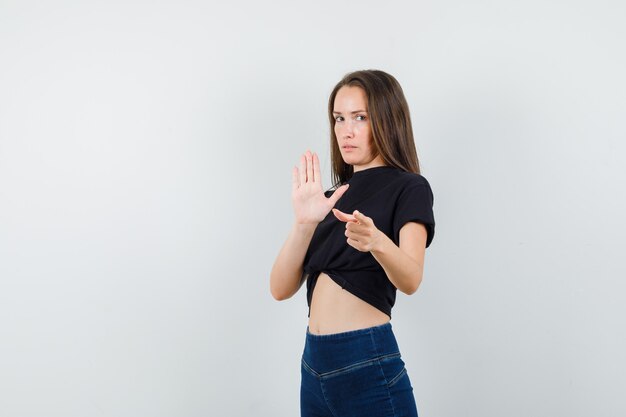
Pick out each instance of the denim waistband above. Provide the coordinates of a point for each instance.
(328, 352)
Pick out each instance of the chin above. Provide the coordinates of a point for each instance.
(349, 158)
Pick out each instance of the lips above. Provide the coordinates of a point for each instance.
(348, 147)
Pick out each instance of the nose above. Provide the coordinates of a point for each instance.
(346, 129)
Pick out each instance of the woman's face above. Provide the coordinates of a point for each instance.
(353, 130)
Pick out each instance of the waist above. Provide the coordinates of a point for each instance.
(335, 309)
(330, 352)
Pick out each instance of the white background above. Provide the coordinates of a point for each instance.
(145, 171)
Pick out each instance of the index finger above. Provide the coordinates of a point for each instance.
(344, 217)
(360, 217)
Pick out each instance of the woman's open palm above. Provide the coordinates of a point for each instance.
(307, 196)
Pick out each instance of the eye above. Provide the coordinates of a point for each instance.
(363, 117)
(337, 118)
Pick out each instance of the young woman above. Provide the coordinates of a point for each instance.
(355, 245)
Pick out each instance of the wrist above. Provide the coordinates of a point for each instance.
(304, 227)
(381, 244)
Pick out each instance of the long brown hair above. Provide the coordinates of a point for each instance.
(390, 123)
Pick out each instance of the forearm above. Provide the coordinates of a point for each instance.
(287, 269)
(404, 272)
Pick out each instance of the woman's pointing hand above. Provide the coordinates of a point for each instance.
(361, 232)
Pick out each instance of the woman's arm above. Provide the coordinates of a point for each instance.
(311, 207)
(287, 270)
(403, 265)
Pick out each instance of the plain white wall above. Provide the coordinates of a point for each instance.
(145, 160)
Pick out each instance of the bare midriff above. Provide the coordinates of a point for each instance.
(335, 310)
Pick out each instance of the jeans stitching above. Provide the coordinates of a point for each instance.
(308, 368)
(393, 408)
(330, 407)
(355, 365)
(315, 374)
(397, 377)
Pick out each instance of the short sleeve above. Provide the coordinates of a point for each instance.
(415, 204)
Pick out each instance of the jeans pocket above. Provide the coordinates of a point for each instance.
(393, 368)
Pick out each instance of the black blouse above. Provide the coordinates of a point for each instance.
(391, 197)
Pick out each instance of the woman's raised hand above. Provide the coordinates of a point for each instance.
(307, 196)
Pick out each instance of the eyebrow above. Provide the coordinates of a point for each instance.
(357, 111)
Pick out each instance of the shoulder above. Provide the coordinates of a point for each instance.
(413, 186)
(411, 179)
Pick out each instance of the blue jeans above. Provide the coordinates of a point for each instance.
(355, 373)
